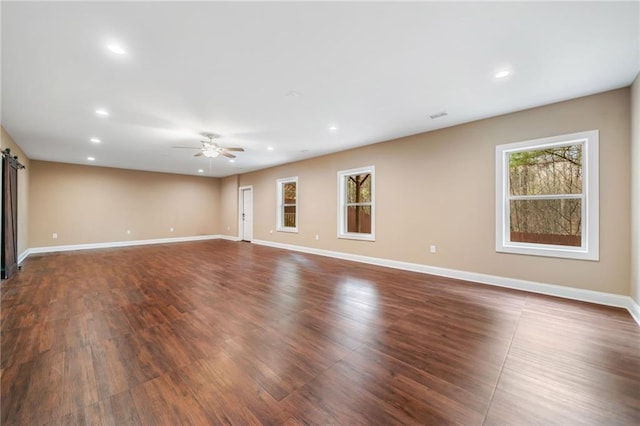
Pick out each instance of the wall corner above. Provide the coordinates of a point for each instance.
(635, 190)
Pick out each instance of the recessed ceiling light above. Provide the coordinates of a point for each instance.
(117, 49)
(91, 159)
(232, 160)
(200, 171)
(502, 74)
(333, 128)
(270, 148)
(292, 94)
(102, 112)
(95, 140)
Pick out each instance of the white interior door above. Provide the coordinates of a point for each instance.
(246, 214)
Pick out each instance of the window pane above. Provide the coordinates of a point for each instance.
(556, 170)
(289, 192)
(547, 221)
(289, 219)
(358, 188)
(359, 219)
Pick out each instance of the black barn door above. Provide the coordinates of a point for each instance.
(9, 252)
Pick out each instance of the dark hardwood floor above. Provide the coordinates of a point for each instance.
(219, 332)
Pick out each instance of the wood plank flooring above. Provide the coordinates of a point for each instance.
(219, 332)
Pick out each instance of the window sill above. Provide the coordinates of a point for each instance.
(549, 251)
(361, 237)
(289, 230)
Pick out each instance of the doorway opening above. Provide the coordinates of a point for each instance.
(245, 225)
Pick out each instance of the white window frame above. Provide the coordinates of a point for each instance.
(590, 198)
(342, 205)
(280, 205)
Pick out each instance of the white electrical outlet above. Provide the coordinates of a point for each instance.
(271, 231)
(317, 237)
(171, 229)
(432, 249)
(128, 231)
(228, 228)
(54, 236)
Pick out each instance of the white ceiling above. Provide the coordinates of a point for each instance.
(374, 70)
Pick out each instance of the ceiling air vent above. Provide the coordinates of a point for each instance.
(438, 115)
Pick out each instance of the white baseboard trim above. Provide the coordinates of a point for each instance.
(23, 256)
(591, 296)
(229, 237)
(91, 246)
(634, 310)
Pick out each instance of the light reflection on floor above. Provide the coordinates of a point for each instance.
(357, 294)
(286, 283)
(356, 300)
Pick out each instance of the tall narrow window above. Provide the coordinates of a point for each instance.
(356, 204)
(547, 196)
(287, 215)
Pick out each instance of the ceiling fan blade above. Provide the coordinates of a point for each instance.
(199, 154)
(234, 149)
(226, 154)
(185, 147)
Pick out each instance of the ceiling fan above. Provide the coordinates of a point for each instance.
(211, 149)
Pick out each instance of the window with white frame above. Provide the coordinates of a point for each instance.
(356, 203)
(547, 196)
(287, 202)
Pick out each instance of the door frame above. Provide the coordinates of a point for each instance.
(241, 190)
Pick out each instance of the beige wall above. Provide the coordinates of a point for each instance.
(434, 188)
(635, 188)
(439, 188)
(229, 206)
(23, 191)
(87, 204)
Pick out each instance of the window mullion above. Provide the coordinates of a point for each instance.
(545, 197)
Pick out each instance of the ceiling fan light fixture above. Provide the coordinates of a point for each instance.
(211, 153)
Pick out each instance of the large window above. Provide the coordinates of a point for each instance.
(547, 196)
(356, 204)
(287, 215)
